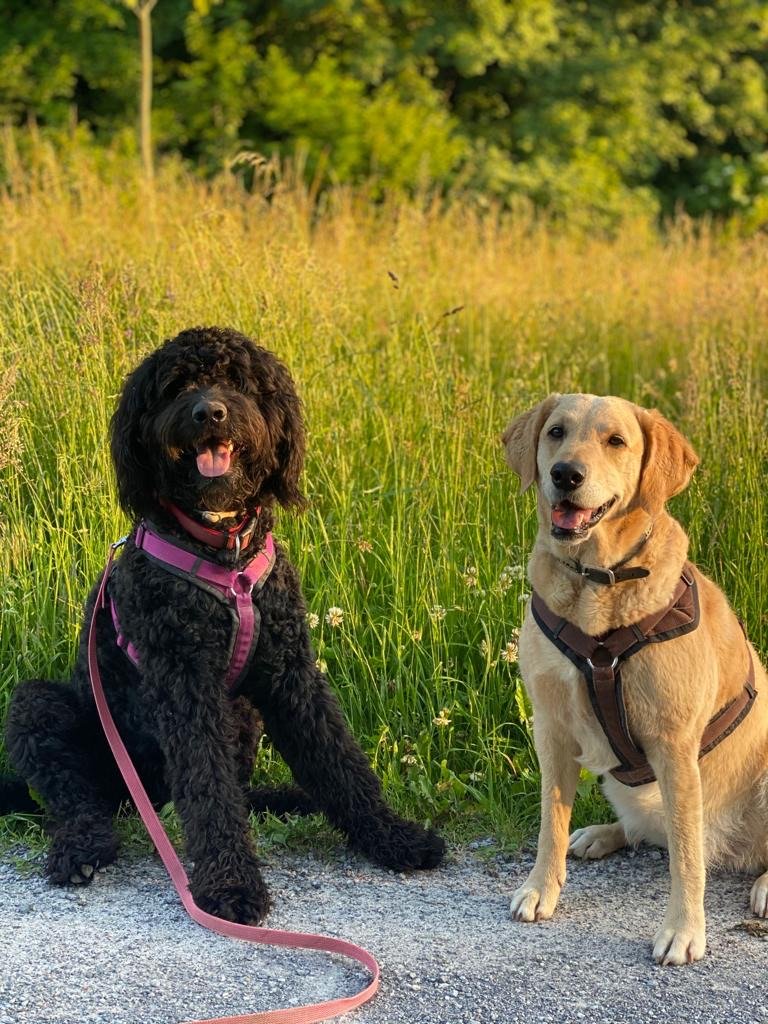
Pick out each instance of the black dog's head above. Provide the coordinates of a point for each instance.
(209, 421)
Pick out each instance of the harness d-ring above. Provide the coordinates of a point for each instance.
(612, 666)
(246, 588)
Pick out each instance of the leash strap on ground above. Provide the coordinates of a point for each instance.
(268, 936)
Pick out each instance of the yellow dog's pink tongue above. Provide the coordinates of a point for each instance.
(569, 517)
(213, 460)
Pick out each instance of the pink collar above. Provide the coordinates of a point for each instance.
(232, 538)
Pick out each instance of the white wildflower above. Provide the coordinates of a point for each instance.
(470, 577)
(511, 574)
(335, 617)
(510, 652)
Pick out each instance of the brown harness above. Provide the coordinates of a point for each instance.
(598, 659)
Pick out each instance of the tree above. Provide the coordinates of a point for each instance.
(589, 108)
(56, 55)
(143, 11)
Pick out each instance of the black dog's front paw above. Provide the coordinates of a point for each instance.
(234, 892)
(78, 848)
(401, 845)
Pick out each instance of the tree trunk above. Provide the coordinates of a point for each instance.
(144, 14)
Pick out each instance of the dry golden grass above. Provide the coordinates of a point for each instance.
(415, 330)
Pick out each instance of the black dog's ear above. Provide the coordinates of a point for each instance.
(129, 454)
(286, 427)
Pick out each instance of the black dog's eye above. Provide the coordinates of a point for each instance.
(616, 441)
(239, 380)
(556, 432)
(171, 387)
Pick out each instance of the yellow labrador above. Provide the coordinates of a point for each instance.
(604, 469)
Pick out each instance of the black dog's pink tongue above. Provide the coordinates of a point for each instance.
(213, 460)
(569, 517)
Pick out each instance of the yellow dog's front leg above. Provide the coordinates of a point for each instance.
(682, 936)
(537, 898)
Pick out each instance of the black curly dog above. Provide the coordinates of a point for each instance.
(208, 394)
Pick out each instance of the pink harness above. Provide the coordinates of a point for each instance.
(234, 587)
(237, 588)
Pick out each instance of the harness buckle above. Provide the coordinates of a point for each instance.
(118, 543)
(601, 575)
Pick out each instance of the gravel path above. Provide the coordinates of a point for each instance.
(124, 952)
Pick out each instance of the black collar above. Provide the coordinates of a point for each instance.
(598, 574)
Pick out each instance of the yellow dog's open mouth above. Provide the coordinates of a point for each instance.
(570, 520)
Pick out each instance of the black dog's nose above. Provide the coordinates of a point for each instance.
(568, 475)
(206, 411)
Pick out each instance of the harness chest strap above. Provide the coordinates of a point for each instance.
(599, 658)
(232, 586)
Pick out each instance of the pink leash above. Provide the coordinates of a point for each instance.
(174, 867)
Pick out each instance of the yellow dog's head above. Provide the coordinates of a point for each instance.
(596, 459)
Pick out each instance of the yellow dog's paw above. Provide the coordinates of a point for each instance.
(534, 903)
(597, 841)
(758, 897)
(680, 945)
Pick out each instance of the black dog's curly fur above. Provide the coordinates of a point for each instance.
(191, 741)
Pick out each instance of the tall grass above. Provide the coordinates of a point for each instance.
(414, 331)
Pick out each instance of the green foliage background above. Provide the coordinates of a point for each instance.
(594, 110)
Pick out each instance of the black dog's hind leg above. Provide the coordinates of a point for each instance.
(15, 796)
(305, 723)
(245, 733)
(58, 748)
(279, 800)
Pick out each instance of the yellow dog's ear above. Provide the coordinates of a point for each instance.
(668, 460)
(521, 440)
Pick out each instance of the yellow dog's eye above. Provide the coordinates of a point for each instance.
(616, 440)
(556, 431)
